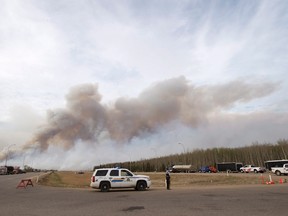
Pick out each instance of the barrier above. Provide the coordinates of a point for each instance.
(24, 183)
(271, 181)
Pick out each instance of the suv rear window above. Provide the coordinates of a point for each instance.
(101, 173)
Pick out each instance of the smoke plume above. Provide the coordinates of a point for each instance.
(85, 118)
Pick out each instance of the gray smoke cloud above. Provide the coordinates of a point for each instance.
(85, 118)
(176, 99)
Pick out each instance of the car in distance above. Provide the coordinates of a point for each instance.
(207, 169)
(252, 168)
(109, 178)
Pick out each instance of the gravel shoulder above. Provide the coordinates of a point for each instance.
(178, 180)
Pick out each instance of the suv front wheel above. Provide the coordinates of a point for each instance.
(141, 186)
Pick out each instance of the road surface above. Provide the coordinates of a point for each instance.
(258, 200)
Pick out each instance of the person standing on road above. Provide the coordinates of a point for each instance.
(168, 179)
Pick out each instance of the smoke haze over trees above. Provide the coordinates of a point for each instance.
(255, 154)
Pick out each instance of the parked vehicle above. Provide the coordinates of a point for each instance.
(275, 163)
(6, 170)
(280, 170)
(182, 169)
(10, 170)
(252, 168)
(107, 178)
(207, 169)
(3, 170)
(17, 170)
(229, 166)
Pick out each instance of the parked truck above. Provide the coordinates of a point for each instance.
(275, 163)
(207, 169)
(3, 170)
(6, 170)
(229, 166)
(252, 168)
(280, 170)
(182, 168)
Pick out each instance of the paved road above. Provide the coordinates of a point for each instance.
(259, 200)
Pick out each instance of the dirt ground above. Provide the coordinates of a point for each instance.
(178, 180)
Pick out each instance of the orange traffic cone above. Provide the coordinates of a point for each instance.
(271, 181)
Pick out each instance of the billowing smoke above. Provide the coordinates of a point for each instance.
(176, 99)
(85, 118)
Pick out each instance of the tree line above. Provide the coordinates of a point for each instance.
(255, 154)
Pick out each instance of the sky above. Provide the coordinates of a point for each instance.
(84, 83)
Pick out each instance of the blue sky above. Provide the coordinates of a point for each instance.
(125, 47)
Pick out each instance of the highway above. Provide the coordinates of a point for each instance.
(257, 200)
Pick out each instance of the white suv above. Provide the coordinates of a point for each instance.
(107, 178)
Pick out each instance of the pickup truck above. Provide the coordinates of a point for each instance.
(280, 170)
(252, 168)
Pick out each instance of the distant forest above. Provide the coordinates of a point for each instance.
(254, 154)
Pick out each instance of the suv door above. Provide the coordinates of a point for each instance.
(115, 178)
(128, 180)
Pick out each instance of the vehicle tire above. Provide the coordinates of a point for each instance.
(278, 173)
(141, 186)
(255, 171)
(105, 187)
(242, 171)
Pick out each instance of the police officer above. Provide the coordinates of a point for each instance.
(168, 179)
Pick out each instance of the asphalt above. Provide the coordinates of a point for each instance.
(213, 201)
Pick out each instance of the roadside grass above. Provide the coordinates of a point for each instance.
(52, 179)
(75, 180)
(204, 179)
(67, 179)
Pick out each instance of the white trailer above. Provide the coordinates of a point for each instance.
(182, 168)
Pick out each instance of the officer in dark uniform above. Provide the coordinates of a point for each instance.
(168, 179)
